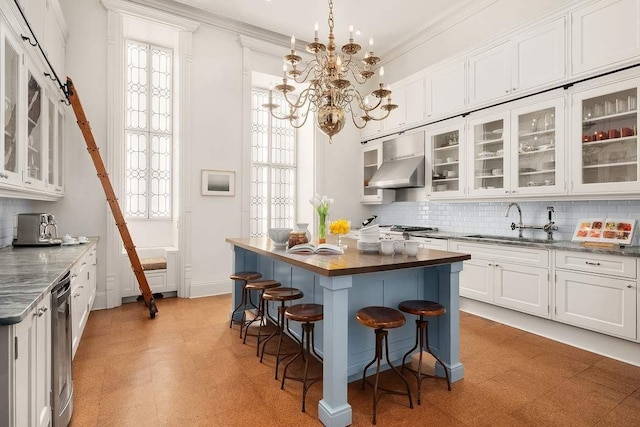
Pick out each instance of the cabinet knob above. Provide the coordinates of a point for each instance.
(592, 263)
(28, 182)
(496, 265)
(506, 191)
(506, 91)
(629, 286)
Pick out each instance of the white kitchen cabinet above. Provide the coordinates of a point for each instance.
(371, 161)
(26, 367)
(373, 129)
(36, 142)
(597, 292)
(599, 303)
(83, 290)
(514, 277)
(447, 178)
(537, 160)
(518, 152)
(446, 89)
(605, 34)
(409, 95)
(604, 143)
(489, 74)
(538, 56)
(11, 68)
(489, 151)
(530, 59)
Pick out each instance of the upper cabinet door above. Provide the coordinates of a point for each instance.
(10, 118)
(605, 34)
(36, 136)
(445, 146)
(446, 89)
(537, 165)
(604, 139)
(409, 96)
(489, 150)
(538, 56)
(489, 74)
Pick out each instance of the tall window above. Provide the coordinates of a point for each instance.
(273, 168)
(148, 131)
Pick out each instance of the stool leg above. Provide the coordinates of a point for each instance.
(295, 356)
(446, 371)
(281, 319)
(268, 338)
(308, 332)
(243, 303)
(406, 383)
(380, 337)
(259, 315)
(421, 328)
(412, 349)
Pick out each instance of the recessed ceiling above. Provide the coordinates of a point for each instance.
(387, 22)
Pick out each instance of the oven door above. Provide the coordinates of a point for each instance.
(61, 384)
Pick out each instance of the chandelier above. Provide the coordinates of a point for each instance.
(330, 93)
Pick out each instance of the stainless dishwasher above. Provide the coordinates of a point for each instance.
(61, 382)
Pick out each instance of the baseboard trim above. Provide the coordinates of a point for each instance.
(208, 289)
(605, 345)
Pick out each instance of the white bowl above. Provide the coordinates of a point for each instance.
(280, 236)
(374, 238)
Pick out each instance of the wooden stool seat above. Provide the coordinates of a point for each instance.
(282, 294)
(307, 314)
(304, 312)
(380, 317)
(245, 275)
(422, 308)
(261, 285)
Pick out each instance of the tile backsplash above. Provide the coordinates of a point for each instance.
(8, 210)
(489, 217)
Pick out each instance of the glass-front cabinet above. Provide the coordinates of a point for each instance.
(538, 154)
(10, 118)
(604, 139)
(446, 145)
(36, 136)
(488, 151)
(372, 159)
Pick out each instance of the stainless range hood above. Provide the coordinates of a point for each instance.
(403, 163)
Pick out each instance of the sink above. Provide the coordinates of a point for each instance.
(510, 239)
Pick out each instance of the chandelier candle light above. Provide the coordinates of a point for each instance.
(330, 94)
(322, 208)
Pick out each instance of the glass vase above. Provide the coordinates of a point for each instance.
(322, 228)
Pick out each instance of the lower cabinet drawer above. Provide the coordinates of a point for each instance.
(611, 265)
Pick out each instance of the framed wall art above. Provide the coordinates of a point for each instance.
(218, 183)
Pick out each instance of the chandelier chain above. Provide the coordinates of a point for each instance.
(331, 16)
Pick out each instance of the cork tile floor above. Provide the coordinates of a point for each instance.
(187, 368)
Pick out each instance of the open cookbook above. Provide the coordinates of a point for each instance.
(310, 248)
(616, 231)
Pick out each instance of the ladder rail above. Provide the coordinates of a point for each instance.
(121, 224)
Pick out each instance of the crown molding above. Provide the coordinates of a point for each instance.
(151, 12)
(435, 26)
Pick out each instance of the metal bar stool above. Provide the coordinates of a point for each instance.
(259, 286)
(423, 308)
(382, 318)
(244, 277)
(307, 313)
(283, 295)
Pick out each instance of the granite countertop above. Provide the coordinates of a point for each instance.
(351, 262)
(28, 274)
(565, 245)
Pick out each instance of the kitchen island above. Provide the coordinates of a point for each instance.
(344, 284)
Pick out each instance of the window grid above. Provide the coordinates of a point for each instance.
(148, 131)
(273, 168)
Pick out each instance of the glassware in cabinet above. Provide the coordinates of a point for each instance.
(447, 171)
(607, 149)
(538, 164)
(489, 166)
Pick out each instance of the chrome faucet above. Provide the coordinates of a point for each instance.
(550, 227)
(520, 225)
